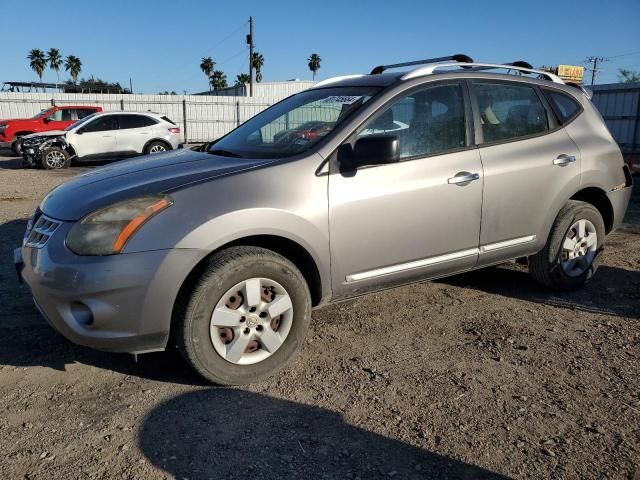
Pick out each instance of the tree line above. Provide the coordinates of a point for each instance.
(217, 79)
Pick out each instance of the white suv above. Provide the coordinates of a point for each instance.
(101, 136)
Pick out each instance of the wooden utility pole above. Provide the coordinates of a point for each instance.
(594, 70)
(250, 42)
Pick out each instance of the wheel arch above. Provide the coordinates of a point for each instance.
(598, 198)
(286, 247)
(20, 134)
(160, 140)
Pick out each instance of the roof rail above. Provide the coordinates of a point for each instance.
(336, 79)
(516, 66)
(459, 57)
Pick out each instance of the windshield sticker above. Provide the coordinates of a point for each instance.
(343, 99)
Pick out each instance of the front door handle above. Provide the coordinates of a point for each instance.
(463, 178)
(564, 160)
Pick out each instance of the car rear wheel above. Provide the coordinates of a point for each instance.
(55, 158)
(155, 147)
(572, 253)
(245, 318)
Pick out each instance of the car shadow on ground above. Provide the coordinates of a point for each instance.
(613, 291)
(232, 433)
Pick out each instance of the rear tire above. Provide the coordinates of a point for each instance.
(573, 250)
(207, 341)
(55, 158)
(156, 147)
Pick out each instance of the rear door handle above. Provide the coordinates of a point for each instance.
(564, 160)
(463, 177)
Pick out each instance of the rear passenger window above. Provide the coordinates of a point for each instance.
(426, 121)
(565, 106)
(134, 121)
(509, 111)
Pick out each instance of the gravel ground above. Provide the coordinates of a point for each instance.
(483, 375)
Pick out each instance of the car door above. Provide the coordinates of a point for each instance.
(133, 133)
(96, 138)
(531, 167)
(419, 217)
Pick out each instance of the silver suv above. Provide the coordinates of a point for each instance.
(358, 184)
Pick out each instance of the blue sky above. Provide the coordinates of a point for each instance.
(159, 43)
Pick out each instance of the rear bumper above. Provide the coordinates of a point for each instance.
(619, 201)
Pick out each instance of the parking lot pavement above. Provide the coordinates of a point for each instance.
(483, 375)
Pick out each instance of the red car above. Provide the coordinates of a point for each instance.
(54, 118)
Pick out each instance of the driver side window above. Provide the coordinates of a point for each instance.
(426, 121)
(55, 116)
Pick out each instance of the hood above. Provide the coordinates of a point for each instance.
(151, 174)
(50, 133)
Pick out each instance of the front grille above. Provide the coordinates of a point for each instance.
(42, 229)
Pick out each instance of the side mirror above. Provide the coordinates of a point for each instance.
(376, 150)
(80, 131)
(46, 120)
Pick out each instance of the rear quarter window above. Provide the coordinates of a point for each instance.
(564, 105)
(167, 119)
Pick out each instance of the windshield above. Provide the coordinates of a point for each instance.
(42, 113)
(79, 122)
(294, 125)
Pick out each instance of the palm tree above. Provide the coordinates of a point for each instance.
(73, 65)
(206, 65)
(314, 63)
(242, 79)
(257, 62)
(37, 62)
(55, 61)
(218, 80)
(628, 76)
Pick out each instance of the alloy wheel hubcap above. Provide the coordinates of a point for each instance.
(251, 321)
(579, 248)
(157, 149)
(55, 159)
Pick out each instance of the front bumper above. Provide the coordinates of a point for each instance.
(5, 144)
(119, 303)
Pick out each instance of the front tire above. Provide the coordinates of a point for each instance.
(16, 146)
(245, 318)
(573, 250)
(55, 158)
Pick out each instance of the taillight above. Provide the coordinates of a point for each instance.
(174, 130)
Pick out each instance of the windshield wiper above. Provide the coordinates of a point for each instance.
(225, 153)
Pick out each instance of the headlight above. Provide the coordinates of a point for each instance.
(2, 127)
(106, 231)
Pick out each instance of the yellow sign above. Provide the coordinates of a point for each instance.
(572, 73)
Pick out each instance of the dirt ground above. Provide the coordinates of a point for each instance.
(483, 375)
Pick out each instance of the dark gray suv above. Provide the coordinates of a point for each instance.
(358, 184)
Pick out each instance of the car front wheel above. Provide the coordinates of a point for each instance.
(245, 318)
(55, 158)
(572, 253)
(16, 146)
